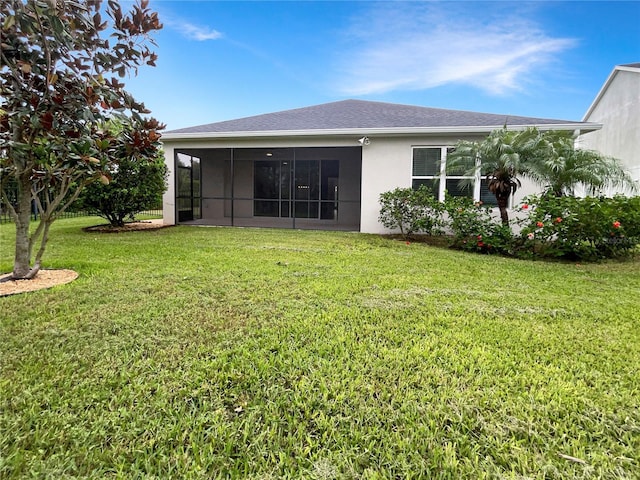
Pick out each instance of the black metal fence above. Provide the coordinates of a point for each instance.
(12, 193)
(5, 216)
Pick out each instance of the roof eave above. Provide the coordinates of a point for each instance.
(584, 127)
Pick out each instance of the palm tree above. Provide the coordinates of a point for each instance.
(559, 167)
(502, 157)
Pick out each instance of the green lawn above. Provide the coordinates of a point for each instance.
(246, 353)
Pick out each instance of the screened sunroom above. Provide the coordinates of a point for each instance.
(305, 188)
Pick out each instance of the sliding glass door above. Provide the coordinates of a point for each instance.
(301, 189)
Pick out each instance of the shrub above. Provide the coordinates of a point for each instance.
(411, 211)
(474, 228)
(565, 227)
(588, 228)
(135, 186)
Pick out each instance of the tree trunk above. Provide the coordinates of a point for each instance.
(503, 202)
(22, 259)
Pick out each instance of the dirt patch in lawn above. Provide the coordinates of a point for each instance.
(44, 279)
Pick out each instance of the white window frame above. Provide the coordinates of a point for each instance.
(443, 177)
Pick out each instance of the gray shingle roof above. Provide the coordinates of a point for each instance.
(360, 114)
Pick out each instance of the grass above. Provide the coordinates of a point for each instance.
(246, 353)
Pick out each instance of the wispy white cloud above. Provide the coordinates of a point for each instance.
(196, 32)
(190, 30)
(411, 46)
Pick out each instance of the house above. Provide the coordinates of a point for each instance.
(617, 108)
(321, 167)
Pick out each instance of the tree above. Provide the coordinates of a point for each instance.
(136, 184)
(560, 167)
(548, 158)
(501, 157)
(59, 74)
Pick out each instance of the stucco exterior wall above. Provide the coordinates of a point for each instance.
(169, 197)
(618, 109)
(387, 164)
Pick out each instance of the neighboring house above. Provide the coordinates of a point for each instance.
(617, 108)
(321, 167)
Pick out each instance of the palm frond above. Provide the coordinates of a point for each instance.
(558, 166)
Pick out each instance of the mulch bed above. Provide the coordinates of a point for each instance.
(44, 279)
(127, 227)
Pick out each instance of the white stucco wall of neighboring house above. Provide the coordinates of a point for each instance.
(617, 107)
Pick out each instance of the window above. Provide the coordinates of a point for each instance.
(427, 168)
(457, 181)
(486, 197)
(430, 168)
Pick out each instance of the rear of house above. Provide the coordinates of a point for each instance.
(322, 167)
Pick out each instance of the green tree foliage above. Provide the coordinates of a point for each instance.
(501, 157)
(560, 168)
(60, 67)
(548, 158)
(136, 182)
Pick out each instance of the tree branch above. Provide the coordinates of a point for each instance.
(12, 211)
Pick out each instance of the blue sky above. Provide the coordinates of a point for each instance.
(224, 60)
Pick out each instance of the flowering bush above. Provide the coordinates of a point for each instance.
(557, 227)
(474, 228)
(581, 228)
(411, 211)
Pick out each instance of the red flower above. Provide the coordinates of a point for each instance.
(558, 220)
(525, 206)
(479, 237)
(616, 224)
(539, 224)
(480, 244)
